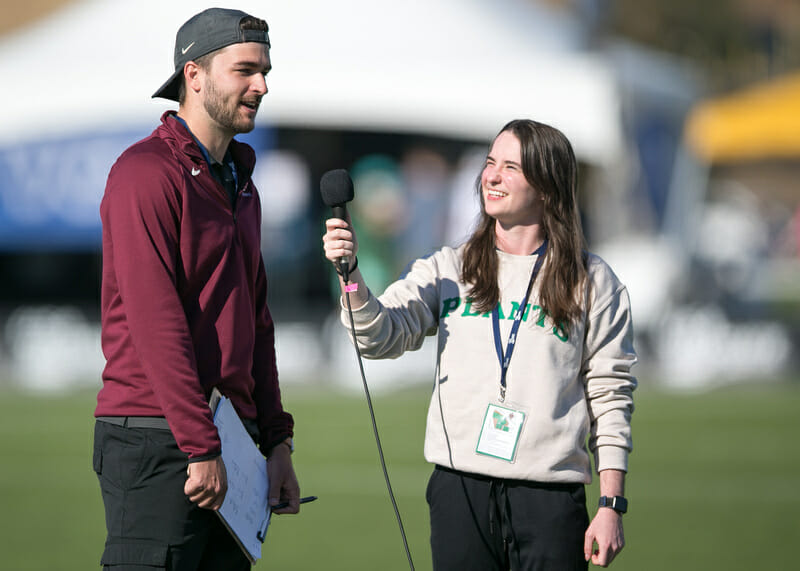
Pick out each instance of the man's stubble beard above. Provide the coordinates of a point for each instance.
(224, 110)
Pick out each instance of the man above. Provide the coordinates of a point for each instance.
(184, 310)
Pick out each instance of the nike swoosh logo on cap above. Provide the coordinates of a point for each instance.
(186, 49)
(195, 172)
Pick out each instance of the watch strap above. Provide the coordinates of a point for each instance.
(617, 503)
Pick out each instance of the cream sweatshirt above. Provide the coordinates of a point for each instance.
(575, 386)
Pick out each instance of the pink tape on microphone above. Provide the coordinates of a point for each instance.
(349, 288)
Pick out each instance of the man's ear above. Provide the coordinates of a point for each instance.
(191, 76)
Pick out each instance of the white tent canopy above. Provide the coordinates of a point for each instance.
(458, 68)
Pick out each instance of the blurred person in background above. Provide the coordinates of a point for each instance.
(507, 430)
(382, 214)
(427, 177)
(184, 311)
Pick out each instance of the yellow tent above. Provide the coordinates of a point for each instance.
(761, 122)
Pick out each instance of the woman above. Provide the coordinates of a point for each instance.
(507, 429)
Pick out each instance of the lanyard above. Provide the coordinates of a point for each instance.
(505, 359)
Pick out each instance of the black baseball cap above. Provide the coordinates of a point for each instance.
(202, 34)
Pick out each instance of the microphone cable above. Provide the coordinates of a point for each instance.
(375, 430)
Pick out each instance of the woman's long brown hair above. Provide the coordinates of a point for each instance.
(549, 166)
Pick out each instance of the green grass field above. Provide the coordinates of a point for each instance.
(714, 483)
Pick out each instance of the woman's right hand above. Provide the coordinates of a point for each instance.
(339, 241)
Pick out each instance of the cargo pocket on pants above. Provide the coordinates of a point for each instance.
(140, 552)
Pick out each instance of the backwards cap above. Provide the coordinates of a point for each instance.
(208, 31)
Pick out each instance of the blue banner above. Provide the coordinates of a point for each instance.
(50, 191)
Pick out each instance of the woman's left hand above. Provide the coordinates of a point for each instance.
(605, 531)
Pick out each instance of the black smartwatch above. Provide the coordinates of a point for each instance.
(617, 503)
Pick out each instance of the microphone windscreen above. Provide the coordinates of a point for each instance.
(336, 187)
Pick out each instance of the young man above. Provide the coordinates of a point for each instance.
(184, 310)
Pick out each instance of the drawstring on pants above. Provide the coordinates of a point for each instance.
(499, 507)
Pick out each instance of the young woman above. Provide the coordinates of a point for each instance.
(509, 428)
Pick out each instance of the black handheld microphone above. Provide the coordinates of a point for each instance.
(336, 187)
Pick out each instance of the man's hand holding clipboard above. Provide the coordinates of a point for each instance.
(247, 507)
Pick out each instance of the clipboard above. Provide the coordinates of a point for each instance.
(245, 511)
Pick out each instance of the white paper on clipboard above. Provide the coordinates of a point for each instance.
(245, 511)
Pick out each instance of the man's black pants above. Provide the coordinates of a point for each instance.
(150, 522)
(489, 524)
